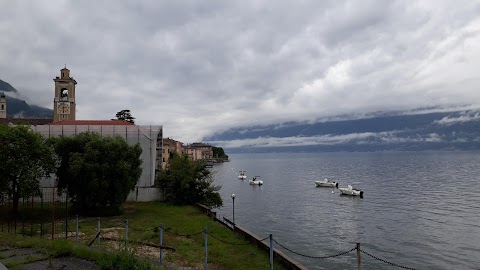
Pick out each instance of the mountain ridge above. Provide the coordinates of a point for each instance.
(19, 108)
(455, 128)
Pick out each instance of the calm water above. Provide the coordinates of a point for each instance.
(420, 210)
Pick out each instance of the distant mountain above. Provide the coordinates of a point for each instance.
(419, 130)
(17, 108)
(6, 87)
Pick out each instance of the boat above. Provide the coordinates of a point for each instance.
(326, 183)
(350, 190)
(242, 175)
(255, 181)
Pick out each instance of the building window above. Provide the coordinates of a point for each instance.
(3, 108)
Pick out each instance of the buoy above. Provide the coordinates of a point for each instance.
(332, 192)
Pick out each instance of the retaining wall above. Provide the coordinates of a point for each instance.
(286, 261)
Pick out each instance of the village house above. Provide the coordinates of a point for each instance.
(199, 151)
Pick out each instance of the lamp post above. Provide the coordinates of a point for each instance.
(233, 200)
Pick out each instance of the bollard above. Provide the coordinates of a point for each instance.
(271, 252)
(98, 232)
(76, 229)
(161, 243)
(358, 256)
(126, 234)
(205, 264)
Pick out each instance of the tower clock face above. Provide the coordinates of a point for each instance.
(63, 108)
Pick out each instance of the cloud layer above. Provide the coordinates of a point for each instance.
(199, 67)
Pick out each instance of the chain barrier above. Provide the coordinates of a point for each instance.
(139, 230)
(264, 238)
(68, 228)
(315, 257)
(382, 260)
(227, 242)
(98, 234)
(183, 235)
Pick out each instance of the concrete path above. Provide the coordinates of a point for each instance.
(31, 259)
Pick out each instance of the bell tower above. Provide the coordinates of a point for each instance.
(3, 105)
(64, 101)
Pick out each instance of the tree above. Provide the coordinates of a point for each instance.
(97, 172)
(125, 115)
(188, 182)
(219, 153)
(24, 159)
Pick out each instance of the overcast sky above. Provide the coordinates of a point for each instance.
(197, 67)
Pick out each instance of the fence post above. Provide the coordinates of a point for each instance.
(41, 216)
(271, 251)
(66, 215)
(23, 216)
(205, 264)
(358, 256)
(98, 231)
(161, 243)
(126, 234)
(76, 229)
(31, 221)
(53, 213)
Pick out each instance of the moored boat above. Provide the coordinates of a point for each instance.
(326, 183)
(242, 175)
(351, 191)
(255, 181)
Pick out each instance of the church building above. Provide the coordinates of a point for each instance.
(65, 124)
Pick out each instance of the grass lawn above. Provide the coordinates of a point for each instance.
(183, 237)
(61, 248)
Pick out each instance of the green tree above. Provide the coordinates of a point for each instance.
(188, 182)
(125, 115)
(97, 172)
(24, 159)
(219, 153)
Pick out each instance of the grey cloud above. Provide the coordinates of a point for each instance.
(466, 117)
(356, 138)
(201, 67)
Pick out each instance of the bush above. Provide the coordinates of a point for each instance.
(188, 182)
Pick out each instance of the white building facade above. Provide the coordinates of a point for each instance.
(149, 138)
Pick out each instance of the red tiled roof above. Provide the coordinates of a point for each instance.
(93, 123)
(26, 121)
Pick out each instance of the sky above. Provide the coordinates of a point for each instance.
(200, 67)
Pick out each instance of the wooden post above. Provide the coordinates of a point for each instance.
(358, 256)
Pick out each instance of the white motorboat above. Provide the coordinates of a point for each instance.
(255, 181)
(242, 175)
(326, 183)
(350, 190)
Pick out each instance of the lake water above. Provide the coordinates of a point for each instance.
(420, 209)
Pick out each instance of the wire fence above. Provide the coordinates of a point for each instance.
(54, 218)
(48, 214)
